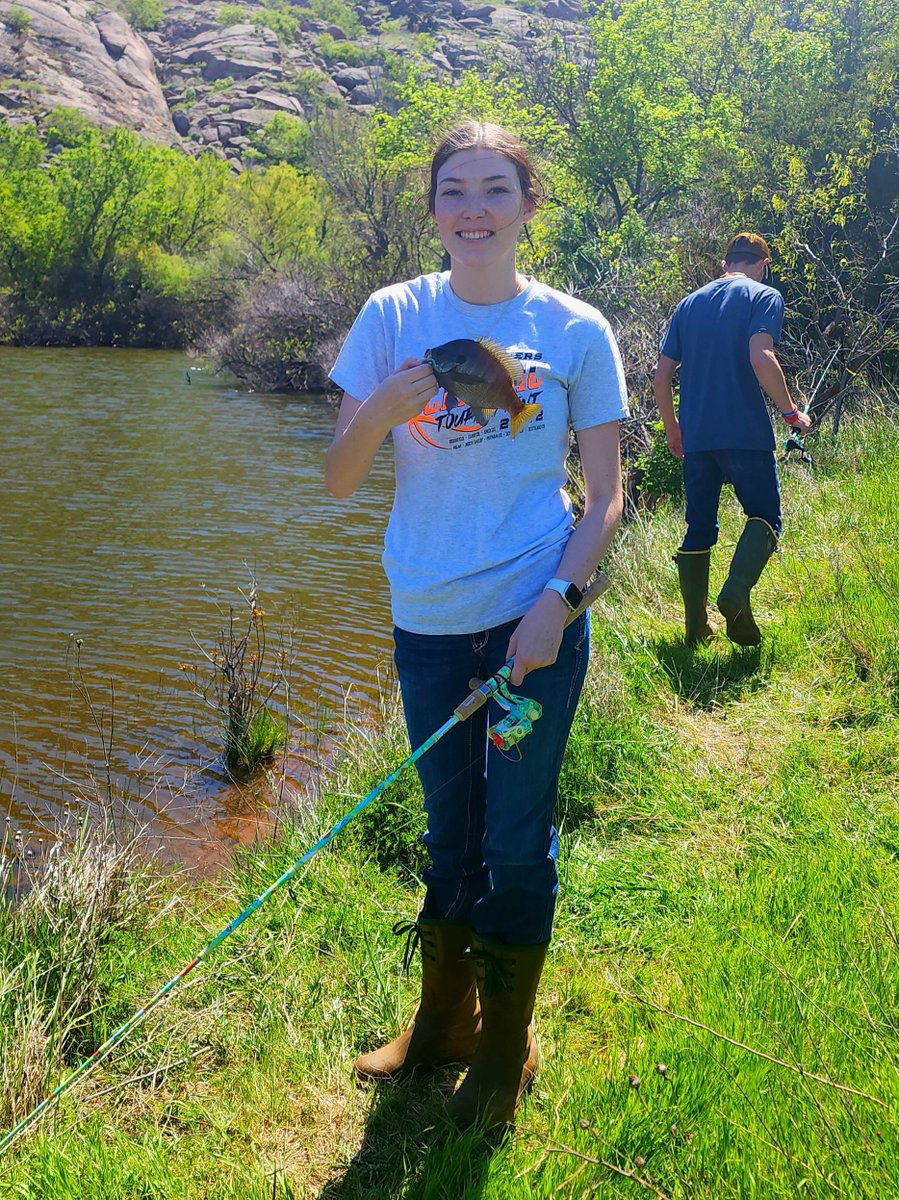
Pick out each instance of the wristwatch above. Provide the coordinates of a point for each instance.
(570, 592)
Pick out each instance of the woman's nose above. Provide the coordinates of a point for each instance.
(474, 205)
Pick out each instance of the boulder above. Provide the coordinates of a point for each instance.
(181, 121)
(250, 118)
(367, 94)
(353, 77)
(97, 64)
(240, 51)
(564, 10)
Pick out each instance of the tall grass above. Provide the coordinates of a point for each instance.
(718, 1012)
(54, 1000)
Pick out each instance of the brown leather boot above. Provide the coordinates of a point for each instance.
(447, 1025)
(507, 1058)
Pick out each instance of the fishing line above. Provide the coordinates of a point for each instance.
(473, 702)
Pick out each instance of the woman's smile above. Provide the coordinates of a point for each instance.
(479, 202)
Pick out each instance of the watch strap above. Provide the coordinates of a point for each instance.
(570, 592)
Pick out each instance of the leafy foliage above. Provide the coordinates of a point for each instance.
(661, 128)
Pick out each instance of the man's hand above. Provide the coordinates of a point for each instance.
(675, 441)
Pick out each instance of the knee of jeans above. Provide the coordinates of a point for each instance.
(525, 876)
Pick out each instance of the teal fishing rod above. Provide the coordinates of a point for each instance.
(505, 734)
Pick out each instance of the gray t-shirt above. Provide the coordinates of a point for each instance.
(480, 520)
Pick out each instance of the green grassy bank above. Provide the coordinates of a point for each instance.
(719, 1009)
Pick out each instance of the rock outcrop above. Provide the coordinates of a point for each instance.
(67, 56)
(208, 86)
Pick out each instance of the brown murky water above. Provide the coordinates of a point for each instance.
(139, 496)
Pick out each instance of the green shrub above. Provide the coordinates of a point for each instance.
(333, 50)
(337, 12)
(283, 139)
(281, 20)
(222, 85)
(662, 473)
(17, 19)
(145, 14)
(230, 14)
(67, 126)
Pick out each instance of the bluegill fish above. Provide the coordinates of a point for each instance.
(482, 375)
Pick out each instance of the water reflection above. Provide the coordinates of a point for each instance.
(136, 511)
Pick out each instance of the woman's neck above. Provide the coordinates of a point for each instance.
(490, 286)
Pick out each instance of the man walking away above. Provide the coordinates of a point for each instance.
(723, 337)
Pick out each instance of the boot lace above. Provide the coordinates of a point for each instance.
(413, 933)
(496, 970)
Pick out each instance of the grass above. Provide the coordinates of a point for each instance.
(719, 1009)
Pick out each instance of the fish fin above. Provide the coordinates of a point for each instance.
(528, 412)
(481, 415)
(450, 400)
(511, 365)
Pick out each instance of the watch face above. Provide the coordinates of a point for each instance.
(573, 596)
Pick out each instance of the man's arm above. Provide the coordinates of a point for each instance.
(662, 386)
(769, 373)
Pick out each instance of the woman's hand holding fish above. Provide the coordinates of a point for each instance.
(537, 637)
(362, 427)
(404, 393)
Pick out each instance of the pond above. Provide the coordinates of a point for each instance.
(141, 497)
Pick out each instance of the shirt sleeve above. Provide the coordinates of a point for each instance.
(365, 359)
(671, 346)
(767, 314)
(598, 392)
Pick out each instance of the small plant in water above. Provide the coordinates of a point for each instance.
(238, 692)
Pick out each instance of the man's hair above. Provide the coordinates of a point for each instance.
(747, 247)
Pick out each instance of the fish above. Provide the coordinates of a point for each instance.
(483, 375)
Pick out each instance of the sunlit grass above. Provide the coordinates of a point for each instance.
(718, 1011)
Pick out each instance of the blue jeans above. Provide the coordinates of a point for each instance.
(755, 480)
(491, 839)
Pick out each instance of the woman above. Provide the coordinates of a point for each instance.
(484, 565)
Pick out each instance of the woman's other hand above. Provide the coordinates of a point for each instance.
(538, 635)
(363, 426)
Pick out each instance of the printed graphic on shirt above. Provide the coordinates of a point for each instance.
(447, 424)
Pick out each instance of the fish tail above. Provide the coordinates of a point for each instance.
(527, 413)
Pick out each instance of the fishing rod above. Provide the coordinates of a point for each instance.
(521, 713)
(796, 441)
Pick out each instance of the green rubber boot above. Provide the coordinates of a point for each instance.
(756, 545)
(693, 573)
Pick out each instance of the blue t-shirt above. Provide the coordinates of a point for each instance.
(722, 405)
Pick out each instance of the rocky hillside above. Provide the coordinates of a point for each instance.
(210, 74)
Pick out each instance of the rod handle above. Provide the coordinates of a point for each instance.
(482, 692)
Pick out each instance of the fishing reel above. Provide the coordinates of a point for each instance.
(522, 713)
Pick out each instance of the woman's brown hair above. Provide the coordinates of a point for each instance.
(483, 135)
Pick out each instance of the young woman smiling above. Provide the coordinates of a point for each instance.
(485, 563)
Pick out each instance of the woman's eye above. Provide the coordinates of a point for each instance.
(451, 192)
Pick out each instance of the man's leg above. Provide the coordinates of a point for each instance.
(754, 476)
(703, 480)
